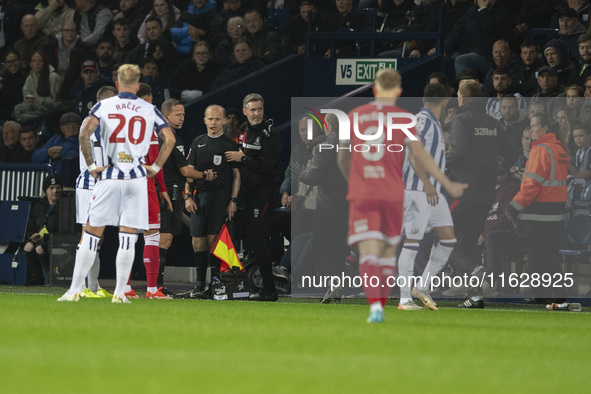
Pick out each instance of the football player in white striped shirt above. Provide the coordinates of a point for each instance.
(84, 186)
(425, 207)
(120, 196)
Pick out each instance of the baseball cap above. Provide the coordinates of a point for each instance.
(89, 65)
(70, 117)
(549, 69)
(568, 12)
(51, 180)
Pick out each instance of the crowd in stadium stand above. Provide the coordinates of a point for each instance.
(56, 54)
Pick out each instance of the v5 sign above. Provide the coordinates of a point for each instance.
(360, 71)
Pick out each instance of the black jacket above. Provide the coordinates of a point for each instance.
(260, 174)
(39, 217)
(476, 141)
(324, 173)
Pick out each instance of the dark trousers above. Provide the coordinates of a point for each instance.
(258, 229)
(544, 259)
(468, 218)
(500, 243)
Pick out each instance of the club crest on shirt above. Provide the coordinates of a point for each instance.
(124, 158)
(217, 160)
(257, 141)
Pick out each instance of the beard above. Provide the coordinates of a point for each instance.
(106, 57)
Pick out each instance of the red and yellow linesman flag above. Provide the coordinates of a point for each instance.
(223, 249)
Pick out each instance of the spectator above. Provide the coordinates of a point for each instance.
(513, 121)
(104, 56)
(427, 18)
(556, 56)
(345, 19)
(299, 25)
(574, 98)
(231, 8)
(62, 145)
(570, 29)
(125, 43)
(566, 119)
(582, 8)
(470, 41)
(538, 208)
(224, 51)
(519, 166)
(502, 86)
(245, 64)
(52, 17)
(13, 151)
(180, 34)
(582, 70)
(199, 30)
(88, 85)
(549, 87)
(91, 20)
(582, 166)
(260, 177)
(264, 42)
(153, 32)
(151, 76)
(525, 80)
(43, 221)
(33, 39)
(8, 29)
(166, 12)
(502, 58)
(40, 90)
(12, 79)
(134, 11)
(29, 141)
(473, 159)
(195, 76)
(61, 45)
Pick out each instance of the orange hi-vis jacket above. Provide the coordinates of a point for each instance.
(539, 206)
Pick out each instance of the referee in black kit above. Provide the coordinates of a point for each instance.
(210, 202)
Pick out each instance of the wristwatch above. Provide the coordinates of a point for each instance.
(186, 195)
(234, 200)
(243, 159)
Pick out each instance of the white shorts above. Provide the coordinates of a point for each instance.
(420, 216)
(83, 197)
(120, 203)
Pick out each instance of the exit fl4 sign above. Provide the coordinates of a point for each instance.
(360, 71)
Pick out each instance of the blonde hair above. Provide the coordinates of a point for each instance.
(128, 74)
(213, 107)
(470, 88)
(388, 79)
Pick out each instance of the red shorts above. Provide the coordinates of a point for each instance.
(153, 206)
(381, 220)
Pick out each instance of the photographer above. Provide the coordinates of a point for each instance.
(43, 220)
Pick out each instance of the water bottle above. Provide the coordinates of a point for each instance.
(565, 306)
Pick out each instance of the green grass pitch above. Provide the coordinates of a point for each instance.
(293, 346)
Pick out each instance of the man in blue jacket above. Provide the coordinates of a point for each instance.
(64, 144)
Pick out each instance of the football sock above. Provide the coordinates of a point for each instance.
(439, 257)
(84, 260)
(162, 253)
(124, 260)
(152, 259)
(152, 290)
(93, 273)
(375, 306)
(387, 277)
(368, 268)
(201, 262)
(406, 265)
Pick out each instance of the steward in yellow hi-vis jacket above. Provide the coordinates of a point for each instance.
(539, 207)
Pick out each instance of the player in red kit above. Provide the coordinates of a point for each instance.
(373, 168)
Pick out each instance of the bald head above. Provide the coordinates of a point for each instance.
(29, 26)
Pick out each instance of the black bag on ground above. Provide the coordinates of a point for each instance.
(230, 285)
